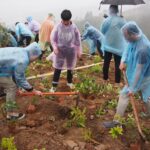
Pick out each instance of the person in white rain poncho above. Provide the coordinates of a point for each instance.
(66, 42)
(13, 63)
(137, 59)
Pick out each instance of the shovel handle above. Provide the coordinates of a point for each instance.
(48, 93)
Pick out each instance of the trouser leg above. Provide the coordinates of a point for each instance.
(122, 104)
(10, 89)
(69, 76)
(107, 59)
(117, 70)
(99, 49)
(56, 77)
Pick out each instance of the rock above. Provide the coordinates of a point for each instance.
(81, 145)
(89, 146)
(30, 123)
(101, 147)
(70, 144)
(91, 117)
(76, 148)
(51, 118)
(31, 109)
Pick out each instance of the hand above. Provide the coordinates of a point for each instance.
(39, 93)
(56, 51)
(122, 66)
(79, 55)
(130, 93)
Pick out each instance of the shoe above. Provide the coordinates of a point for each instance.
(15, 116)
(53, 89)
(145, 115)
(71, 86)
(111, 124)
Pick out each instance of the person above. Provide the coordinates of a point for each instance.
(13, 63)
(34, 26)
(137, 60)
(24, 35)
(113, 43)
(12, 41)
(95, 37)
(66, 41)
(45, 33)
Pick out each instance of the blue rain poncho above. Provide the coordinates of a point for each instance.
(137, 58)
(22, 29)
(114, 41)
(14, 62)
(92, 35)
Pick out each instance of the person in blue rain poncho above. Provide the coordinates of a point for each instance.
(23, 33)
(13, 64)
(136, 62)
(113, 43)
(94, 38)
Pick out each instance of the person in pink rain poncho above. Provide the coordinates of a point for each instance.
(66, 42)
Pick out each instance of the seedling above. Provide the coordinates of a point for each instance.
(112, 104)
(87, 135)
(100, 111)
(116, 132)
(78, 117)
(8, 144)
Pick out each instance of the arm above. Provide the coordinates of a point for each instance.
(85, 35)
(19, 75)
(78, 42)
(105, 26)
(54, 38)
(18, 32)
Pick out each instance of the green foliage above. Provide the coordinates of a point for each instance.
(4, 37)
(78, 117)
(87, 135)
(96, 69)
(8, 144)
(11, 105)
(129, 122)
(100, 111)
(97, 59)
(88, 86)
(109, 88)
(112, 104)
(116, 132)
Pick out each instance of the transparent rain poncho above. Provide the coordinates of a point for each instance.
(92, 35)
(137, 58)
(21, 29)
(67, 43)
(113, 41)
(14, 62)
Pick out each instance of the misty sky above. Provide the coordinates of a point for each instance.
(17, 10)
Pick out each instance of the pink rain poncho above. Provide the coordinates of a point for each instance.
(67, 44)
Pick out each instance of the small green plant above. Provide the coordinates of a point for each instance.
(88, 86)
(96, 69)
(11, 105)
(112, 104)
(100, 111)
(130, 122)
(116, 132)
(8, 144)
(41, 149)
(87, 135)
(97, 59)
(78, 117)
(109, 88)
